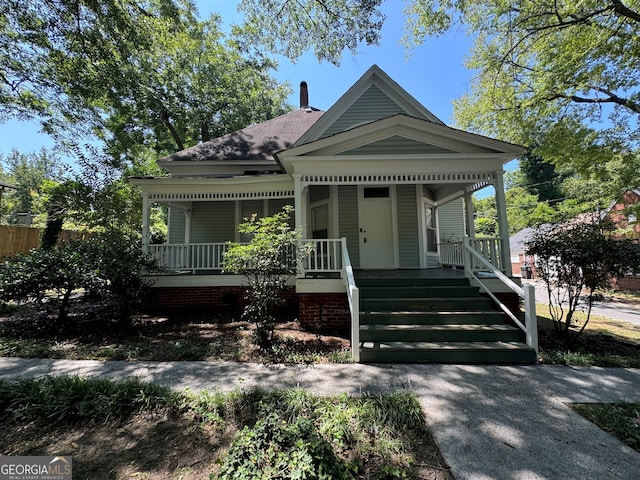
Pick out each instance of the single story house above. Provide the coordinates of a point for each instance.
(382, 188)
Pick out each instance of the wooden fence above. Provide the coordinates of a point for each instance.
(16, 239)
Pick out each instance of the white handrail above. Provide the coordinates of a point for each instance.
(353, 294)
(527, 294)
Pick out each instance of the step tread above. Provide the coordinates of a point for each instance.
(416, 346)
(443, 327)
(448, 299)
(431, 312)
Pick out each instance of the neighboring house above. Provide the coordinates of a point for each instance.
(379, 184)
(521, 263)
(623, 213)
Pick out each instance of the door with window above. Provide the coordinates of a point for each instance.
(376, 231)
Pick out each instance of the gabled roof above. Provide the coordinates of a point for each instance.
(518, 241)
(7, 185)
(256, 142)
(620, 200)
(374, 82)
(428, 140)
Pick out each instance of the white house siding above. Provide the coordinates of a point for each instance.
(213, 222)
(396, 145)
(317, 193)
(408, 237)
(372, 105)
(348, 220)
(176, 226)
(426, 193)
(451, 221)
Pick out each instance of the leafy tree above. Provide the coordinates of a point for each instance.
(34, 174)
(326, 26)
(189, 86)
(561, 76)
(146, 78)
(136, 74)
(575, 260)
(266, 262)
(116, 260)
(67, 54)
(485, 213)
(540, 178)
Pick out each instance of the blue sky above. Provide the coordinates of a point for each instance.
(433, 73)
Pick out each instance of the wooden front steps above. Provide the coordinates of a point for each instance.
(441, 320)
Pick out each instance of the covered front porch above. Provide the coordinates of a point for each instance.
(327, 272)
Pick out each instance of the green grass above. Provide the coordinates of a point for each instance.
(293, 431)
(78, 399)
(586, 359)
(622, 420)
(604, 343)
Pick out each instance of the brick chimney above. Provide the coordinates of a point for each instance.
(304, 95)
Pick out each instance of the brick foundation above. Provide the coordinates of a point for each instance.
(324, 311)
(315, 311)
(227, 300)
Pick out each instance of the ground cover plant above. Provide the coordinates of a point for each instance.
(128, 429)
(622, 420)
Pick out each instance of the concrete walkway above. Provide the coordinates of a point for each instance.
(491, 422)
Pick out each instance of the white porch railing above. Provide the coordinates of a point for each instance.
(325, 256)
(192, 256)
(528, 294)
(452, 253)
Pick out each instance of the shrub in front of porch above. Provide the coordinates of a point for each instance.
(267, 262)
(106, 266)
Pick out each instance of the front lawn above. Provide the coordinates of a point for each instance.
(132, 430)
(604, 343)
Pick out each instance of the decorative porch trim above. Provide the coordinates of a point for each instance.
(164, 197)
(481, 178)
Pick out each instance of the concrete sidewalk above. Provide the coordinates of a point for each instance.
(491, 422)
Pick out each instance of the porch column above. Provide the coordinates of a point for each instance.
(187, 226)
(468, 209)
(503, 225)
(146, 220)
(300, 205)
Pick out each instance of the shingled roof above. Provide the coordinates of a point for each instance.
(256, 142)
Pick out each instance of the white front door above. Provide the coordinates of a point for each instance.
(375, 215)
